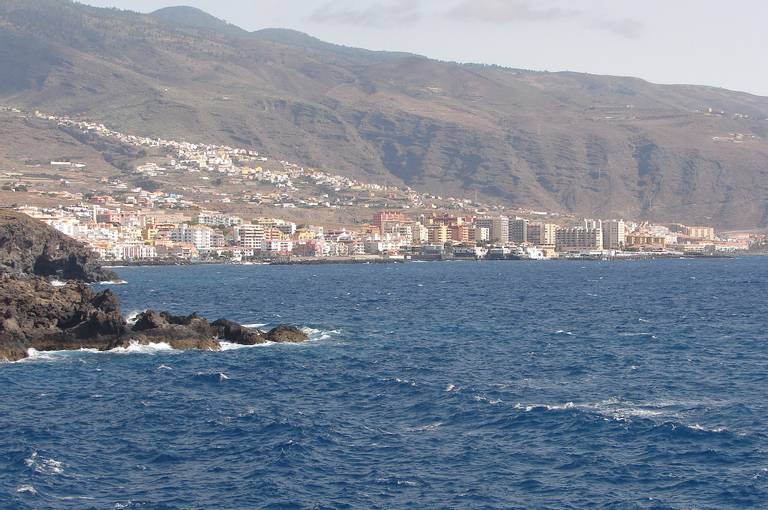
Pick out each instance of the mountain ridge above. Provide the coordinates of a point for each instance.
(570, 142)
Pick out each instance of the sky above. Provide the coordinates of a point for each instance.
(703, 42)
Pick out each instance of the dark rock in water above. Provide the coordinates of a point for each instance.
(35, 314)
(284, 334)
(30, 247)
(149, 320)
(180, 332)
(235, 333)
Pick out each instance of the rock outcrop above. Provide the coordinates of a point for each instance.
(36, 314)
(30, 247)
(235, 333)
(284, 334)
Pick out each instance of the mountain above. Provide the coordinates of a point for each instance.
(184, 16)
(592, 145)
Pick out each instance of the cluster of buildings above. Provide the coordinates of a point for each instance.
(500, 236)
(161, 225)
(134, 234)
(217, 159)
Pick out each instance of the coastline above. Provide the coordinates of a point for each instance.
(294, 261)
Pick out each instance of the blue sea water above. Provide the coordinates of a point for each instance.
(433, 385)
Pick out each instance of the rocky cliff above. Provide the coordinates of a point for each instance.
(37, 314)
(30, 247)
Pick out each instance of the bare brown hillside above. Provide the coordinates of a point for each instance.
(592, 145)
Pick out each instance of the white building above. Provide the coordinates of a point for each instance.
(198, 236)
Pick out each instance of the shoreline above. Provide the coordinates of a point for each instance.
(311, 261)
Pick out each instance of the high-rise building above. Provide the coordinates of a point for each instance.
(480, 234)
(591, 224)
(250, 237)
(438, 234)
(542, 234)
(518, 231)
(199, 236)
(498, 228)
(614, 234)
(459, 233)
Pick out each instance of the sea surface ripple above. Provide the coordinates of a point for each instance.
(433, 385)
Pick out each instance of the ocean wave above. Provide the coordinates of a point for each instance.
(483, 398)
(42, 466)
(661, 413)
(132, 316)
(255, 325)
(137, 348)
(317, 335)
(649, 335)
(33, 355)
(230, 346)
(425, 428)
(211, 377)
(26, 489)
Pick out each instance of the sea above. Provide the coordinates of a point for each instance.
(482, 385)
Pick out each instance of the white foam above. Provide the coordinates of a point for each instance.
(44, 466)
(132, 316)
(254, 326)
(483, 398)
(716, 430)
(26, 489)
(619, 410)
(317, 335)
(229, 346)
(114, 282)
(33, 355)
(404, 381)
(451, 388)
(137, 348)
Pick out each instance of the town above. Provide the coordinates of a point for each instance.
(160, 223)
(154, 235)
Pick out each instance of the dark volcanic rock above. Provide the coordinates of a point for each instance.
(235, 333)
(30, 247)
(35, 314)
(284, 334)
(180, 332)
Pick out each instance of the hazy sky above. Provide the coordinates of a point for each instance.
(707, 42)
